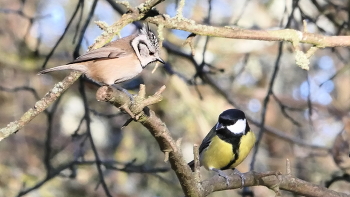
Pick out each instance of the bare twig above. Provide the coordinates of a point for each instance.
(108, 164)
(266, 101)
(196, 163)
(61, 37)
(93, 147)
(48, 140)
(40, 105)
(22, 88)
(83, 30)
(189, 41)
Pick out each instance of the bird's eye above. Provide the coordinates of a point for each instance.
(151, 53)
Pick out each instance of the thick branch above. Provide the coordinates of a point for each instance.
(159, 131)
(270, 180)
(290, 35)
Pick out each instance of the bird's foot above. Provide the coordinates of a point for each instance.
(126, 92)
(235, 171)
(222, 174)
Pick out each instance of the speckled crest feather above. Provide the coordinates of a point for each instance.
(147, 31)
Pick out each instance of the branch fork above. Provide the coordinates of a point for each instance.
(135, 108)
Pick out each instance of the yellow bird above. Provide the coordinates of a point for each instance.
(227, 144)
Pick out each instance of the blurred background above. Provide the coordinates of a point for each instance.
(53, 155)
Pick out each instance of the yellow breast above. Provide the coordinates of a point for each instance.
(219, 153)
(247, 143)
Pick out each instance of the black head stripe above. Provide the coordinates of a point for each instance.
(147, 31)
(153, 39)
(230, 116)
(247, 128)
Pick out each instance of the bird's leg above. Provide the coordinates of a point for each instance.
(235, 171)
(222, 174)
(125, 91)
(125, 106)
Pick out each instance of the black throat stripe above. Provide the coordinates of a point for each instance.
(234, 140)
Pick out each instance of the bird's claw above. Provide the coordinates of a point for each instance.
(235, 171)
(242, 180)
(222, 174)
(126, 92)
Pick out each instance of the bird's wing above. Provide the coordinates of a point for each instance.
(101, 53)
(206, 141)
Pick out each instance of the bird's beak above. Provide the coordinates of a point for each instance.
(219, 126)
(160, 60)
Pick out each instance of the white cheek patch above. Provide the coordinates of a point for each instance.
(238, 127)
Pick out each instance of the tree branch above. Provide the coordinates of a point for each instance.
(158, 130)
(290, 35)
(270, 180)
(40, 105)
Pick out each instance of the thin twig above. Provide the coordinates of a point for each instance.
(266, 101)
(48, 56)
(93, 147)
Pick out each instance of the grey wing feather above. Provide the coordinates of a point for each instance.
(101, 53)
(206, 141)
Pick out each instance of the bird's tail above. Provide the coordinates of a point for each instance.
(77, 67)
(191, 164)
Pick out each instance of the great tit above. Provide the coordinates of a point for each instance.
(227, 144)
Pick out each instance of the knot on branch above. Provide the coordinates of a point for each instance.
(134, 106)
(301, 60)
(270, 181)
(189, 41)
